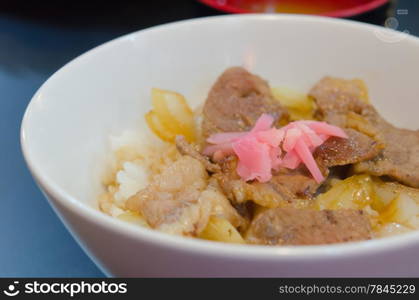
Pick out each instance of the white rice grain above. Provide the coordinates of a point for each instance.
(131, 179)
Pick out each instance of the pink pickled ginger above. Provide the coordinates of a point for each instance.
(264, 147)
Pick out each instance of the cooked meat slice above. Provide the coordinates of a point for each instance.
(283, 189)
(338, 152)
(187, 149)
(180, 200)
(342, 102)
(171, 202)
(290, 226)
(236, 101)
(399, 160)
(299, 183)
(338, 96)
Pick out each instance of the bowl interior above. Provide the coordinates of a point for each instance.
(106, 91)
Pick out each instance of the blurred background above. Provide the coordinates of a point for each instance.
(39, 37)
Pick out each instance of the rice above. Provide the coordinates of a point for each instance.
(135, 156)
(131, 179)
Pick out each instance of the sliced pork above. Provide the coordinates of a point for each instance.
(339, 152)
(236, 101)
(180, 200)
(343, 103)
(187, 149)
(290, 226)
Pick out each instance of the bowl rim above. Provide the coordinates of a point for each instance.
(194, 245)
(340, 13)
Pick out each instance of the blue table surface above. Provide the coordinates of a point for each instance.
(34, 43)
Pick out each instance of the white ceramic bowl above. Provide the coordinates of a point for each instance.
(107, 90)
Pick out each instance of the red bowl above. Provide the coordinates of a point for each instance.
(330, 8)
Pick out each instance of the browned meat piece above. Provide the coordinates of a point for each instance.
(342, 102)
(335, 97)
(299, 183)
(187, 149)
(181, 199)
(290, 226)
(339, 152)
(283, 189)
(400, 158)
(172, 202)
(236, 101)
